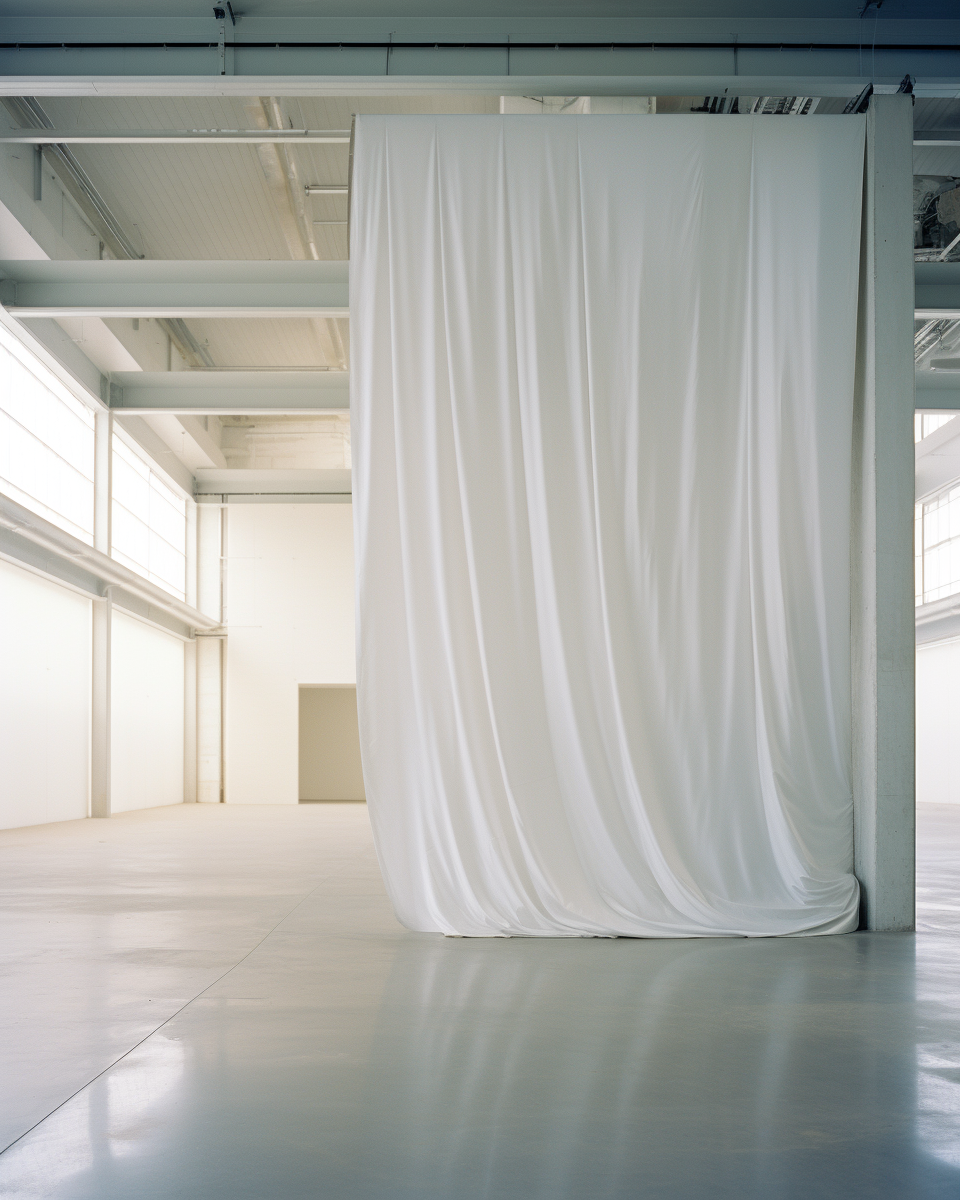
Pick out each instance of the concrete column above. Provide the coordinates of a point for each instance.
(209, 651)
(190, 668)
(102, 621)
(882, 551)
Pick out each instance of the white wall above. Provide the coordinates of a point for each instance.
(146, 734)
(45, 666)
(290, 620)
(938, 723)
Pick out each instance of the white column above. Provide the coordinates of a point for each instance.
(102, 621)
(209, 659)
(882, 558)
(190, 668)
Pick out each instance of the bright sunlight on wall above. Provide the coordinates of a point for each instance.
(937, 546)
(46, 442)
(149, 533)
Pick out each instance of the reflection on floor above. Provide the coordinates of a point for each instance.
(208, 1002)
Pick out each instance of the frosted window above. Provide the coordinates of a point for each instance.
(937, 549)
(46, 442)
(926, 423)
(149, 532)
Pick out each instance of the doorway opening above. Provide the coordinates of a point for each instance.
(330, 767)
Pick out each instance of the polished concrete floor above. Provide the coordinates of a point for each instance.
(216, 1002)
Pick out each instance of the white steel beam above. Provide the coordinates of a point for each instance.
(937, 289)
(140, 55)
(210, 654)
(936, 391)
(172, 288)
(173, 137)
(882, 595)
(101, 719)
(242, 481)
(190, 668)
(212, 392)
(936, 137)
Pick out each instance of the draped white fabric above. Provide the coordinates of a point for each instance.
(602, 394)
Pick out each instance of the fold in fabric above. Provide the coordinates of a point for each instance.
(602, 374)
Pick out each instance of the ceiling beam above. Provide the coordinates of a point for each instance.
(156, 55)
(936, 137)
(220, 137)
(166, 288)
(212, 393)
(173, 137)
(937, 289)
(169, 288)
(242, 481)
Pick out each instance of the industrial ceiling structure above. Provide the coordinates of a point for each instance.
(174, 197)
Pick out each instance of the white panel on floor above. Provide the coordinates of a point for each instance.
(330, 744)
(289, 602)
(938, 723)
(45, 663)
(147, 708)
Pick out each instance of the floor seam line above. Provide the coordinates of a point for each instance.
(146, 1037)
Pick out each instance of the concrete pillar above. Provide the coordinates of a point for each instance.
(190, 668)
(882, 551)
(100, 712)
(190, 722)
(209, 654)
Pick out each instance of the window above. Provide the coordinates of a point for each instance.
(46, 442)
(937, 546)
(926, 423)
(149, 522)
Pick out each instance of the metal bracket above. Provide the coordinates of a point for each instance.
(221, 17)
(859, 103)
(220, 13)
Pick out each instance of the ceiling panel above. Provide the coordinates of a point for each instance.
(197, 202)
(291, 342)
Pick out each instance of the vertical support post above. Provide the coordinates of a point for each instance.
(224, 661)
(190, 667)
(209, 653)
(882, 551)
(38, 173)
(101, 716)
(103, 481)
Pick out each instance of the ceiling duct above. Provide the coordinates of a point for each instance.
(936, 217)
(767, 106)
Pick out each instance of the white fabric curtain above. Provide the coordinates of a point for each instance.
(602, 391)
